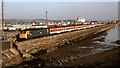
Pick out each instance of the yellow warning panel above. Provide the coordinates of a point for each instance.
(22, 35)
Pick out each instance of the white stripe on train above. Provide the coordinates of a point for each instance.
(72, 29)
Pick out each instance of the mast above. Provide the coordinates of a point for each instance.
(46, 17)
(2, 21)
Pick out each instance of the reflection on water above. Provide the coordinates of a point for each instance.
(112, 35)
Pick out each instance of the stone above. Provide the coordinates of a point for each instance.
(27, 57)
(12, 57)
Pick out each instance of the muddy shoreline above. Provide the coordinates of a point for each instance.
(108, 58)
(77, 54)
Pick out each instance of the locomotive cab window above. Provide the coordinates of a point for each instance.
(20, 32)
(23, 32)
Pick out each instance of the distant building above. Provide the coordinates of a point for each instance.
(94, 22)
(80, 20)
(34, 23)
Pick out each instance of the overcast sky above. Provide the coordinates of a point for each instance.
(106, 10)
(61, 0)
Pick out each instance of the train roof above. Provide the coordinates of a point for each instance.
(33, 29)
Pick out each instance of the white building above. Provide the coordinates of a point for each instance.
(81, 20)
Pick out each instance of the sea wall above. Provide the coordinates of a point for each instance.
(10, 57)
(53, 41)
(24, 50)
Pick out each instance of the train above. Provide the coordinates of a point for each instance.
(38, 32)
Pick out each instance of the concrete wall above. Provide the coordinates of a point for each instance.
(11, 56)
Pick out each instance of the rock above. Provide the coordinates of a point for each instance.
(27, 57)
(11, 57)
(27, 50)
(99, 39)
(81, 64)
(117, 42)
(39, 65)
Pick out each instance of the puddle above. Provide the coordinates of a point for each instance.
(85, 47)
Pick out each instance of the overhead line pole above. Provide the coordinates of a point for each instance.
(2, 21)
(46, 17)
